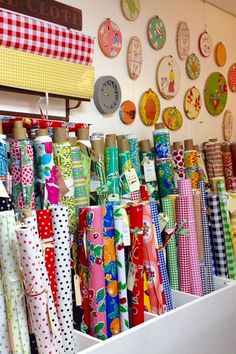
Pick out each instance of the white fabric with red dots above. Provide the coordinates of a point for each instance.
(4, 336)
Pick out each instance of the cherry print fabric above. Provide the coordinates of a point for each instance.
(178, 158)
(35, 291)
(61, 239)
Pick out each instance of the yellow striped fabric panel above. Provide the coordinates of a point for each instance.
(38, 73)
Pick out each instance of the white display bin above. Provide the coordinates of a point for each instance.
(197, 325)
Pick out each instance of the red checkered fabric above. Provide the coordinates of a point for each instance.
(39, 37)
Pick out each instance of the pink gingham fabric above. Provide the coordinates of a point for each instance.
(39, 37)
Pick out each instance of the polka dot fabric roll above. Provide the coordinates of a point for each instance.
(4, 336)
(63, 275)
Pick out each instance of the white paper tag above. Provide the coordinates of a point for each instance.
(131, 276)
(149, 171)
(132, 180)
(126, 230)
(78, 297)
(3, 192)
(163, 220)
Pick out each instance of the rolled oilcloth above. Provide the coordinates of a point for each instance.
(12, 284)
(168, 207)
(84, 146)
(112, 172)
(227, 165)
(61, 239)
(96, 274)
(3, 160)
(47, 175)
(134, 153)
(147, 160)
(233, 222)
(161, 257)
(233, 184)
(191, 166)
(111, 275)
(124, 164)
(201, 165)
(214, 159)
(5, 346)
(206, 241)
(161, 139)
(214, 183)
(99, 166)
(151, 263)
(35, 291)
(21, 166)
(218, 235)
(178, 159)
(121, 225)
(233, 151)
(165, 177)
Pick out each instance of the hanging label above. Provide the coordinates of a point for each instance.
(131, 276)
(163, 220)
(149, 171)
(132, 180)
(3, 192)
(126, 230)
(78, 297)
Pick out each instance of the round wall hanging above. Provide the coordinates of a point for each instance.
(130, 9)
(156, 33)
(220, 54)
(134, 58)
(149, 107)
(227, 125)
(168, 77)
(232, 77)
(205, 44)
(172, 118)
(107, 94)
(127, 112)
(183, 40)
(193, 66)
(215, 93)
(109, 38)
(192, 103)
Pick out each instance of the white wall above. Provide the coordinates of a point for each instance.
(220, 25)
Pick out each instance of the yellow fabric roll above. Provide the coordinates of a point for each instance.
(147, 305)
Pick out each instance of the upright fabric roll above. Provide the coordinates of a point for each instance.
(218, 235)
(233, 152)
(168, 207)
(136, 233)
(112, 172)
(233, 222)
(80, 195)
(134, 153)
(63, 161)
(5, 346)
(21, 165)
(191, 166)
(161, 139)
(152, 186)
(47, 175)
(124, 165)
(96, 274)
(214, 159)
(228, 169)
(178, 159)
(63, 275)
(84, 145)
(3, 159)
(121, 226)
(161, 257)
(165, 177)
(12, 284)
(202, 167)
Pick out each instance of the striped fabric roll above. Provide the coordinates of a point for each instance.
(214, 159)
(79, 180)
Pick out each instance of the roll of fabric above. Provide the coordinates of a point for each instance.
(191, 166)
(5, 346)
(63, 161)
(86, 165)
(186, 196)
(134, 153)
(63, 274)
(3, 160)
(146, 297)
(206, 240)
(178, 159)
(124, 165)
(228, 169)
(35, 291)
(152, 186)
(136, 234)
(217, 235)
(233, 223)
(12, 284)
(47, 175)
(168, 207)
(161, 256)
(161, 139)
(112, 172)
(111, 276)
(165, 177)
(233, 184)
(150, 263)
(214, 159)
(99, 166)
(202, 167)
(121, 225)
(233, 152)
(21, 166)
(223, 197)
(96, 274)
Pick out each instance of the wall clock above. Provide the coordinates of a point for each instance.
(149, 107)
(205, 44)
(107, 94)
(193, 66)
(109, 38)
(156, 33)
(172, 118)
(183, 40)
(192, 103)
(232, 77)
(220, 54)
(127, 112)
(134, 58)
(168, 77)
(130, 9)
(215, 93)
(227, 125)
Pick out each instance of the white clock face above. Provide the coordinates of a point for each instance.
(107, 95)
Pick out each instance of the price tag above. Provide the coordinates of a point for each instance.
(126, 230)
(149, 171)
(163, 220)
(78, 297)
(131, 276)
(132, 180)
